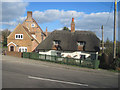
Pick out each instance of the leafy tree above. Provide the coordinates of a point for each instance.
(107, 60)
(108, 47)
(5, 34)
(65, 28)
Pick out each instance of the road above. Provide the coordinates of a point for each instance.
(27, 73)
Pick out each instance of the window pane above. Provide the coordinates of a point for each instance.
(22, 49)
(56, 42)
(21, 36)
(19, 49)
(26, 50)
(33, 25)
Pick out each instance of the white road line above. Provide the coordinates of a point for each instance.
(45, 79)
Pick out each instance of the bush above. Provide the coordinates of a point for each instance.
(107, 61)
(115, 64)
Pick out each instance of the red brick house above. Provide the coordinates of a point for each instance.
(26, 36)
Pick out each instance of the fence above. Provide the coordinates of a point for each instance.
(62, 60)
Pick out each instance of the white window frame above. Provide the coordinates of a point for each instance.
(81, 43)
(56, 42)
(23, 49)
(18, 36)
(33, 25)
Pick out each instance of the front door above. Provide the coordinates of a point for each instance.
(11, 48)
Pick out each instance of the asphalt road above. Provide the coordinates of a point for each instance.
(26, 73)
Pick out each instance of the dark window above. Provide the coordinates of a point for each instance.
(16, 36)
(11, 48)
(93, 56)
(21, 36)
(19, 49)
(59, 54)
(26, 50)
(82, 57)
(75, 56)
(56, 42)
(81, 43)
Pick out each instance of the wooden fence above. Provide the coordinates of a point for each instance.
(62, 60)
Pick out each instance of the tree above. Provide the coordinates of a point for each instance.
(5, 34)
(65, 28)
(107, 60)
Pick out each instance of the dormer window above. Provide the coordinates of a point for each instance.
(56, 42)
(32, 25)
(80, 43)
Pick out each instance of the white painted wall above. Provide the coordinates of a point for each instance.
(72, 54)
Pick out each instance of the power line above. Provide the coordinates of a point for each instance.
(109, 13)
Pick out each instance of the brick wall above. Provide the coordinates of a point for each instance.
(16, 54)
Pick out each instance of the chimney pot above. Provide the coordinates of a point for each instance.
(72, 19)
(72, 25)
(29, 14)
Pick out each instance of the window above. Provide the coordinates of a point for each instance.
(11, 48)
(75, 55)
(59, 54)
(83, 57)
(22, 49)
(56, 42)
(18, 36)
(19, 49)
(32, 25)
(81, 43)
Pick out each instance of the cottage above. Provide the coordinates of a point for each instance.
(26, 36)
(71, 43)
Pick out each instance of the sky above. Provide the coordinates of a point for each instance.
(89, 16)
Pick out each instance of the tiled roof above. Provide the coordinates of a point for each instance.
(29, 33)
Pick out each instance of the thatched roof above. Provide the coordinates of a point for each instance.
(68, 40)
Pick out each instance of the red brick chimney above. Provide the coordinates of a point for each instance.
(29, 14)
(72, 25)
(46, 32)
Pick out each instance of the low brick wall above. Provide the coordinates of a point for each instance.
(16, 54)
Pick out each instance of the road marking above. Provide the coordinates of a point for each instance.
(46, 79)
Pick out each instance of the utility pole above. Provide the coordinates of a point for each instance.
(102, 40)
(114, 45)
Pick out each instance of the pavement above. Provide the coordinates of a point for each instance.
(28, 73)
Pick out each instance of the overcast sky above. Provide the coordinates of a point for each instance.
(56, 15)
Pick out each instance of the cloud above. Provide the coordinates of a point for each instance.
(8, 23)
(21, 19)
(12, 10)
(52, 15)
(83, 21)
(12, 0)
